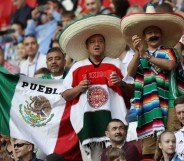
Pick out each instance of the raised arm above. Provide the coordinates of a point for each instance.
(133, 65)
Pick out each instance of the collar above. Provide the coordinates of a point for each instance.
(96, 65)
(34, 157)
(35, 58)
(57, 77)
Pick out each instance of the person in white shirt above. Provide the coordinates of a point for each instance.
(179, 108)
(35, 59)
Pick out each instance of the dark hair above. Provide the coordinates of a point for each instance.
(114, 120)
(53, 41)
(69, 14)
(20, 24)
(30, 35)
(179, 100)
(158, 152)
(59, 3)
(121, 7)
(43, 70)
(92, 36)
(56, 49)
(115, 153)
(55, 157)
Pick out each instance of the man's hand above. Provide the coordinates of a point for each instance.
(83, 85)
(116, 79)
(35, 14)
(138, 46)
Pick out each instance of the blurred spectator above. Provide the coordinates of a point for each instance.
(45, 32)
(164, 7)
(95, 7)
(119, 7)
(69, 62)
(54, 43)
(23, 12)
(24, 150)
(21, 54)
(179, 108)
(7, 145)
(10, 41)
(154, 2)
(134, 9)
(41, 72)
(14, 34)
(67, 18)
(7, 64)
(116, 154)
(35, 59)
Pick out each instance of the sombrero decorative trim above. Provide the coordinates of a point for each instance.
(73, 38)
(171, 24)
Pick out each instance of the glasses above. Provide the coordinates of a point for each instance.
(20, 145)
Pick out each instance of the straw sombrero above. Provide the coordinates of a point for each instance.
(171, 24)
(72, 39)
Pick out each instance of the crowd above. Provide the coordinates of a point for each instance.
(119, 65)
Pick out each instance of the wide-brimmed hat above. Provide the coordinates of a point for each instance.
(73, 38)
(171, 25)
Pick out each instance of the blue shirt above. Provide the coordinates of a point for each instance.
(43, 32)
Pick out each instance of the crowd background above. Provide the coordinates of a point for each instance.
(29, 28)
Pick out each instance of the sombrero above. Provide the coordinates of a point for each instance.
(171, 24)
(72, 39)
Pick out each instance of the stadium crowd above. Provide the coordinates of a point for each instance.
(146, 55)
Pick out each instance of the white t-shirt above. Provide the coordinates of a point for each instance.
(180, 143)
(29, 69)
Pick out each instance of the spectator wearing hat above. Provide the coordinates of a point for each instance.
(24, 150)
(92, 41)
(155, 68)
(179, 108)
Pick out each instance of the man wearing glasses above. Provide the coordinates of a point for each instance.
(24, 151)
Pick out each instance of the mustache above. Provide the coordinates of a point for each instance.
(153, 38)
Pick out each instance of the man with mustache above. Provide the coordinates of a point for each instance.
(155, 67)
(116, 132)
(55, 61)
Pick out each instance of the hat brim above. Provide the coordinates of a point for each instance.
(171, 25)
(72, 39)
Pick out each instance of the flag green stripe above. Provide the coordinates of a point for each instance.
(95, 124)
(8, 84)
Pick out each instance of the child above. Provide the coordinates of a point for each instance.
(166, 146)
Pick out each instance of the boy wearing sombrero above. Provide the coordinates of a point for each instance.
(155, 67)
(94, 100)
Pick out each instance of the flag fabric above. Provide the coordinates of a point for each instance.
(91, 112)
(33, 110)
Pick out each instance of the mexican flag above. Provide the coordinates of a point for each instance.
(33, 110)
